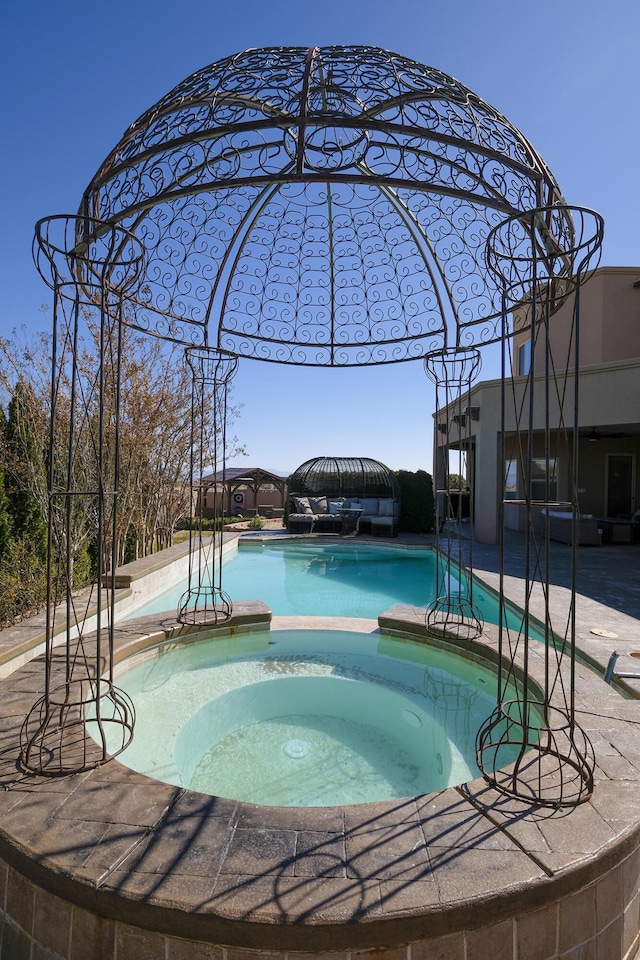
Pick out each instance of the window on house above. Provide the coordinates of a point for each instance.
(510, 479)
(544, 480)
(524, 358)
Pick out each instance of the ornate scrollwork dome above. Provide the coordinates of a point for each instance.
(324, 206)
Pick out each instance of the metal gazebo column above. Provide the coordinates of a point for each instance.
(89, 265)
(532, 746)
(453, 611)
(204, 601)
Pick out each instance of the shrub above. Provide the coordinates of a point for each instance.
(23, 582)
(209, 526)
(417, 506)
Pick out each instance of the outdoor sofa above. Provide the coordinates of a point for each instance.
(322, 514)
(561, 527)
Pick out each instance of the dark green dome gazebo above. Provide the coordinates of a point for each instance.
(321, 487)
(344, 477)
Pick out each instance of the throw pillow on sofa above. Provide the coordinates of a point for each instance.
(385, 508)
(303, 505)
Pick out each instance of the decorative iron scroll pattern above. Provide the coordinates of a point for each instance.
(264, 171)
(187, 243)
(323, 89)
(330, 275)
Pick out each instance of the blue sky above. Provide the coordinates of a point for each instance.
(76, 74)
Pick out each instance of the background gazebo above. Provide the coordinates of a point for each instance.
(343, 477)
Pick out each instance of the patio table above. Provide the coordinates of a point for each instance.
(350, 519)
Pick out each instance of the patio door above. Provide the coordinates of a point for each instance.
(620, 484)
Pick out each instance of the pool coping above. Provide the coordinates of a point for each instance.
(166, 859)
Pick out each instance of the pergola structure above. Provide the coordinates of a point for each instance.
(328, 206)
(232, 486)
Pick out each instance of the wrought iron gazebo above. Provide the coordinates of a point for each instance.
(328, 206)
(344, 477)
(324, 206)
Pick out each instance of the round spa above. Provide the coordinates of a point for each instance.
(307, 717)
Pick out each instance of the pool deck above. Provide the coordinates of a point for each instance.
(607, 595)
(111, 861)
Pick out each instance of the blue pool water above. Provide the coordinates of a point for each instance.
(307, 717)
(337, 579)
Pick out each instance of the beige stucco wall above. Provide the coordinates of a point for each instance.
(609, 395)
(609, 321)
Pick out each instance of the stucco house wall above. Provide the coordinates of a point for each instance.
(609, 320)
(609, 403)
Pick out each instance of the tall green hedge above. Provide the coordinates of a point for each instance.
(417, 507)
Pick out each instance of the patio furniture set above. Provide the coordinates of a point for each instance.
(379, 516)
(344, 495)
(593, 531)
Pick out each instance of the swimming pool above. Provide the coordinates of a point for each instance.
(308, 717)
(315, 579)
